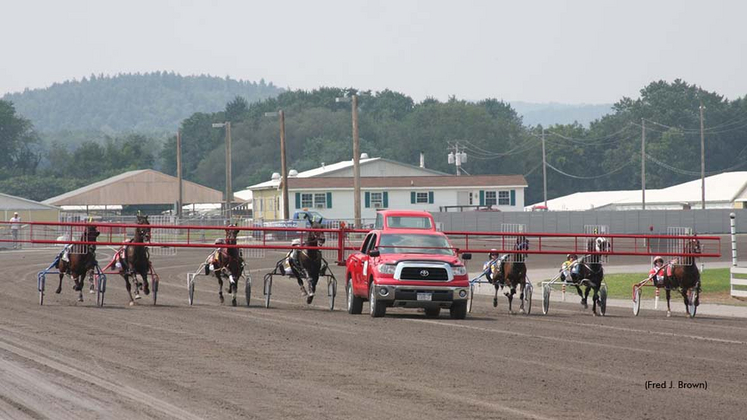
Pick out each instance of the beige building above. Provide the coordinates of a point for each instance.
(137, 188)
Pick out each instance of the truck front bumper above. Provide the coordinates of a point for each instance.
(420, 296)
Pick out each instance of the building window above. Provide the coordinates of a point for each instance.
(377, 200)
(490, 198)
(470, 199)
(307, 200)
(503, 198)
(320, 200)
(421, 198)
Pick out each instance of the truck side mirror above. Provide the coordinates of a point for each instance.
(374, 253)
(466, 256)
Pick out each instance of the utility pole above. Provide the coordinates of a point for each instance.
(702, 157)
(180, 199)
(456, 157)
(643, 164)
(356, 166)
(229, 188)
(544, 168)
(283, 166)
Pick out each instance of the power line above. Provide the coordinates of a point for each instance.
(618, 169)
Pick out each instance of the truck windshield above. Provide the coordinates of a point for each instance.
(409, 222)
(414, 244)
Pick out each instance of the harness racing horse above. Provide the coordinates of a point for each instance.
(79, 264)
(513, 273)
(309, 262)
(591, 273)
(685, 277)
(136, 259)
(229, 264)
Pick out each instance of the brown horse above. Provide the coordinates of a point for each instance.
(136, 259)
(228, 263)
(685, 276)
(309, 262)
(79, 264)
(590, 273)
(512, 273)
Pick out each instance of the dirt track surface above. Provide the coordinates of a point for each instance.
(70, 360)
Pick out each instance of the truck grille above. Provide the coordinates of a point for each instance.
(421, 273)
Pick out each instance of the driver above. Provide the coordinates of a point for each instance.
(489, 267)
(657, 272)
(566, 267)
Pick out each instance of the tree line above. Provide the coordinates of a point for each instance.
(604, 156)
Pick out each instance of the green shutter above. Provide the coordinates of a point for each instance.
(430, 197)
(513, 197)
(368, 199)
(386, 200)
(482, 197)
(298, 200)
(413, 199)
(329, 200)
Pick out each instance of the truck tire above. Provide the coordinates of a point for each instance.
(355, 303)
(432, 312)
(458, 310)
(377, 309)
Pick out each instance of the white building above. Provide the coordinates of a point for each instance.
(723, 191)
(385, 184)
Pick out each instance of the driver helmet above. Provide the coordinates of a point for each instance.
(296, 242)
(493, 252)
(572, 257)
(220, 241)
(657, 259)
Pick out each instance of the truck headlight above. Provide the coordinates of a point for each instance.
(459, 270)
(387, 268)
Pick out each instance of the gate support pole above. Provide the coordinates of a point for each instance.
(733, 229)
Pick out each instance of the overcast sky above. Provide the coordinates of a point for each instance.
(539, 51)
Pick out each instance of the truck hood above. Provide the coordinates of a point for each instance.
(395, 258)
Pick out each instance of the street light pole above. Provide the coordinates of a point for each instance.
(229, 190)
(283, 163)
(356, 160)
(179, 201)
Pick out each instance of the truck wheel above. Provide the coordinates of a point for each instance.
(458, 310)
(377, 310)
(432, 312)
(355, 303)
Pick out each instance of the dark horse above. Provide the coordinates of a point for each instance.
(590, 272)
(228, 263)
(308, 262)
(79, 263)
(684, 276)
(512, 273)
(135, 259)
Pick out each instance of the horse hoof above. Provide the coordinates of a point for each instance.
(495, 303)
(132, 303)
(80, 299)
(91, 291)
(309, 299)
(669, 314)
(58, 291)
(146, 291)
(221, 299)
(233, 302)
(137, 297)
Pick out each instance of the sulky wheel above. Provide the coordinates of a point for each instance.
(100, 289)
(155, 290)
(528, 298)
(40, 281)
(692, 302)
(470, 297)
(331, 291)
(191, 290)
(603, 300)
(636, 300)
(248, 288)
(545, 299)
(267, 289)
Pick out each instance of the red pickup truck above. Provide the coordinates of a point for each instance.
(405, 262)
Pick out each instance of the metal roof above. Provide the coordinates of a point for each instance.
(726, 187)
(11, 202)
(145, 186)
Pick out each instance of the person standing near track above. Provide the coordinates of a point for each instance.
(15, 227)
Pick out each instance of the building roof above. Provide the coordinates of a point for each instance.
(330, 170)
(587, 200)
(725, 187)
(517, 181)
(11, 202)
(145, 186)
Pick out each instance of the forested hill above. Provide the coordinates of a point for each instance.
(143, 103)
